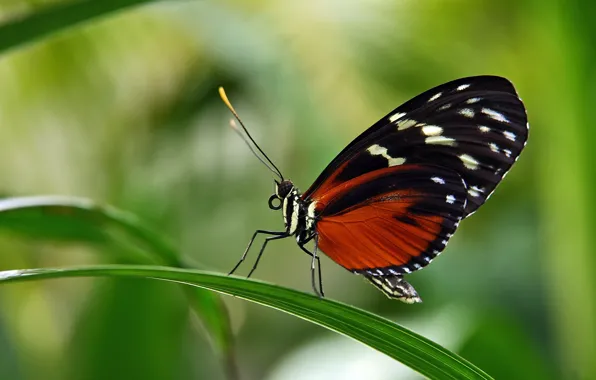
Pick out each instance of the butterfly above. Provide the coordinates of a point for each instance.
(389, 202)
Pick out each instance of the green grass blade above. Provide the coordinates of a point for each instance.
(83, 220)
(413, 350)
(57, 18)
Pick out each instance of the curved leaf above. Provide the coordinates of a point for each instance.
(57, 18)
(81, 219)
(415, 351)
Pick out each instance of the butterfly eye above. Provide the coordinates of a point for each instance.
(274, 202)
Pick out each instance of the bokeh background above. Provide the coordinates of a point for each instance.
(124, 110)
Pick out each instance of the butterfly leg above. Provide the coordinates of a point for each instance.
(267, 240)
(318, 292)
(257, 232)
(312, 268)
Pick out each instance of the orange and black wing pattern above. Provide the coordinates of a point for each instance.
(391, 221)
(390, 201)
(475, 126)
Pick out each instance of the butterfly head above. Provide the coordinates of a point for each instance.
(282, 190)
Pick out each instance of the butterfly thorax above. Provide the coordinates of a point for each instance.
(299, 215)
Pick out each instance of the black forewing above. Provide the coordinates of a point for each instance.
(476, 126)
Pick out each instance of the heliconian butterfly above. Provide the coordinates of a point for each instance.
(389, 202)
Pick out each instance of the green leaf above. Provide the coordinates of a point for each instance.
(57, 18)
(81, 219)
(415, 351)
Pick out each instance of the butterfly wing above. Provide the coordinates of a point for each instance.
(475, 126)
(391, 221)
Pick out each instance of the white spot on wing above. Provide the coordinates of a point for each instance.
(440, 140)
(494, 115)
(432, 130)
(494, 147)
(444, 107)
(435, 97)
(462, 87)
(396, 161)
(509, 135)
(450, 199)
(377, 150)
(473, 100)
(507, 152)
(438, 180)
(484, 129)
(396, 116)
(473, 193)
(469, 161)
(405, 124)
(467, 112)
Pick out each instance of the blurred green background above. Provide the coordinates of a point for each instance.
(124, 110)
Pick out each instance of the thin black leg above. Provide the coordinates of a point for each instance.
(319, 292)
(315, 256)
(267, 240)
(257, 232)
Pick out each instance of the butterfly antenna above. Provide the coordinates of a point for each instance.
(273, 168)
(247, 142)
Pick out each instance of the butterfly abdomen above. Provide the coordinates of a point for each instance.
(395, 287)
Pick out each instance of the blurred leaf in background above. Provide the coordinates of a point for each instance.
(123, 109)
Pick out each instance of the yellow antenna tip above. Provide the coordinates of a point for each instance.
(224, 98)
